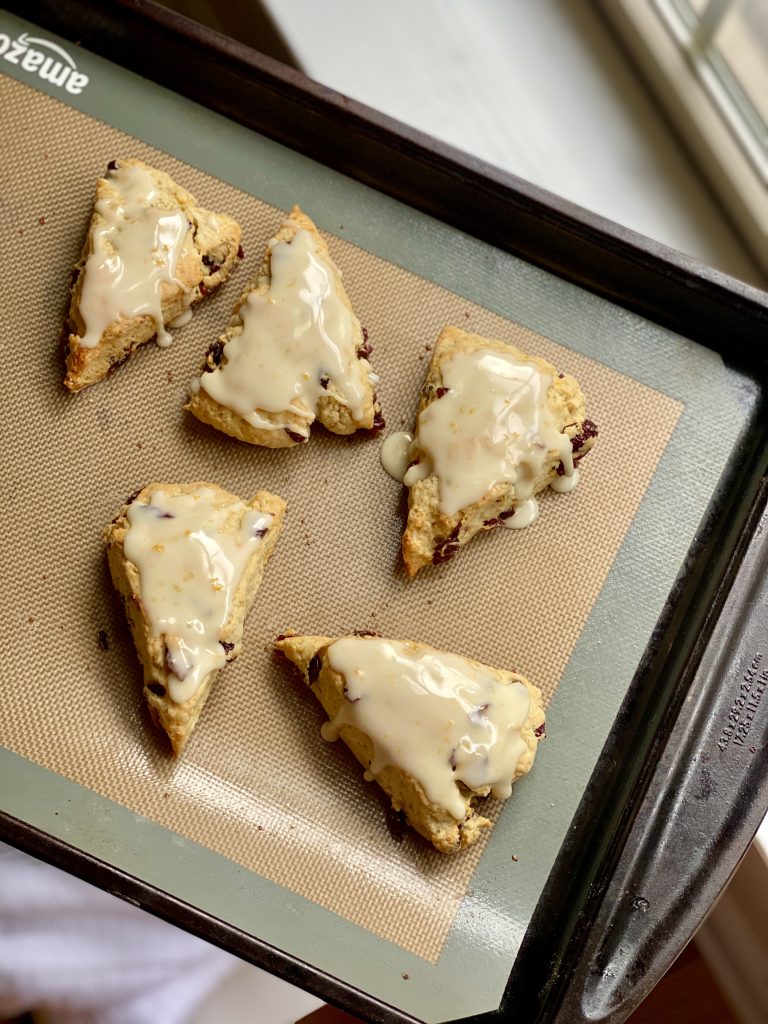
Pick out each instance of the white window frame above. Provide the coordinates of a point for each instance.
(735, 172)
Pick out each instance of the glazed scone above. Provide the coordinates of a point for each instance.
(150, 254)
(436, 731)
(187, 560)
(294, 351)
(495, 427)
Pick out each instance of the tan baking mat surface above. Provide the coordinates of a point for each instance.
(257, 783)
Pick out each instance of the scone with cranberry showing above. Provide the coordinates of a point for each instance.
(437, 731)
(495, 427)
(187, 561)
(294, 351)
(150, 254)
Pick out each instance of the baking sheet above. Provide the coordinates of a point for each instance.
(258, 790)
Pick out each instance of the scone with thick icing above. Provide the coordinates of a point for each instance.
(187, 560)
(495, 427)
(150, 254)
(294, 351)
(436, 731)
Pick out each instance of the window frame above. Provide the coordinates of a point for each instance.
(716, 149)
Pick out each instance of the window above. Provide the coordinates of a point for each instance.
(707, 61)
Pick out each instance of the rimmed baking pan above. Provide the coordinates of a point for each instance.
(632, 602)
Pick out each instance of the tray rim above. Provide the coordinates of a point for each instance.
(708, 303)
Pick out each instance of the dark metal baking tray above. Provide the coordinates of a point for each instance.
(680, 787)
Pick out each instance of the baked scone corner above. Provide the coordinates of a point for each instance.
(347, 673)
(290, 354)
(150, 254)
(165, 548)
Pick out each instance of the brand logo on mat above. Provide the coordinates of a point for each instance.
(52, 63)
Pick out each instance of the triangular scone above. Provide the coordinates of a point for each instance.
(150, 253)
(495, 427)
(436, 731)
(294, 351)
(187, 560)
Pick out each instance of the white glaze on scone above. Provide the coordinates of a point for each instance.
(442, 719)
(294, 351)
(136, 249)
(149, 255)
(410, 741)
(492, 424)
(495, 427)
(298, 341)
(186, 584)
(396, 453)
(190, 552)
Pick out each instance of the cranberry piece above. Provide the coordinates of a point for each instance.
(324, 382)
(313, 671)
(378, 423)
(227, 646)
(365, 349)
(492, 522)
(212, 265)
(507, 513)
(541, 732)
(202, 289)
(215, 354)
(396, 824)
(112, 165)
(294, 436)
(240, 253)
(588, 431)
(448, 547)
(114, 362)
(441, 391)
(157, 688)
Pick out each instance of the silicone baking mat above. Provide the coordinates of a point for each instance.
(257, 786)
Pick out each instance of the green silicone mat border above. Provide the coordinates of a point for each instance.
(472, 972)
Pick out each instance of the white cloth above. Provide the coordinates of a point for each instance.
(81, 956)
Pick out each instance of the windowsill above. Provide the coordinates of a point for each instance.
(721, 158)
(552, 100)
